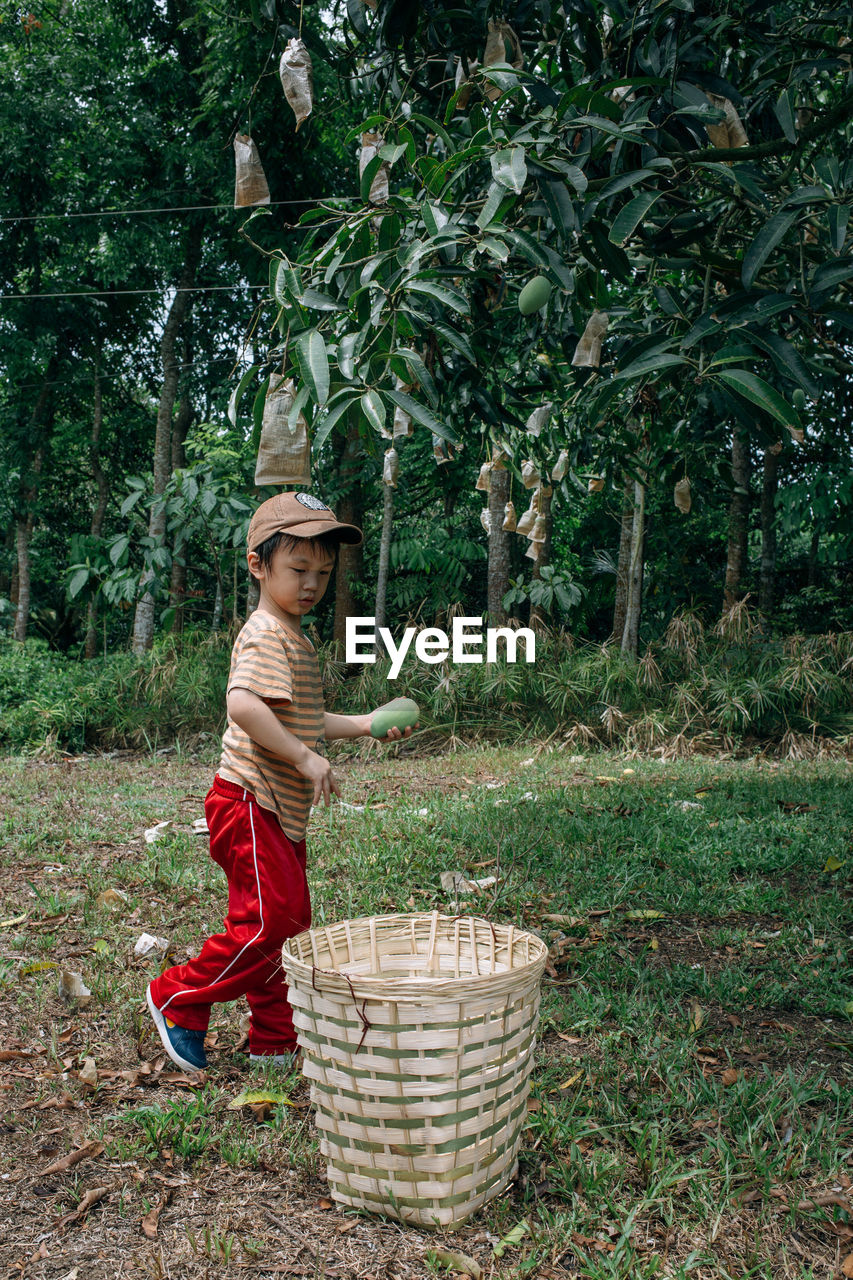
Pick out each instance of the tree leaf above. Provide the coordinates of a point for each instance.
(373, 407)
(839, 215)
(286, 286)
(787, 359)
(510, 169)
(760, 393)
(457, 340)
(653, 362)
(784, 110)
(348, 349)
(628, 218)
(334, 411)
(764, 244)
(560, 206)
(357, 17)
(446, 296)
(318, 301)
(238, 393)
(419, 413)
(314, 364)
(494, 200)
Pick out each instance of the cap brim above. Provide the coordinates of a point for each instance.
(348, 533)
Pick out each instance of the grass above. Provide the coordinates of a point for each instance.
(691, 688)
(692, 1103)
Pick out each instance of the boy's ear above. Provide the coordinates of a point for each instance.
(256, 569)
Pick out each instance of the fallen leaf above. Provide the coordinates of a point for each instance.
(13, 920)
(847, 1265)
(567, 1084)
(832, 863)
(88, 1073)
(654, 944)
(257, 1097)
(453, 1261)
(603, 777)
(571, 921)
(182, 1080)
(534, 1104)
(325, 1204)
(111, 898)
(38, 966)
(512, 1239)
(91, 1198)
(150, 1221)
(561, 1035)
(87, 1152)
(730, 1076)
(645, 915)
(697, 1016)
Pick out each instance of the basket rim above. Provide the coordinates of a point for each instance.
(385, 986)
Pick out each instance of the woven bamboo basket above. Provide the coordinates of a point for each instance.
(417, 1034)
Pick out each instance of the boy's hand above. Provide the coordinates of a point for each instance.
(317, 770)
(393, 735)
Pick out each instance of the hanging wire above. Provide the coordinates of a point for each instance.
(117, 293)
(181, 208)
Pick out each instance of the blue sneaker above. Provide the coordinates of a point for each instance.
(184, 1047)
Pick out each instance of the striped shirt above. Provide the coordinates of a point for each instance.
(281, 667)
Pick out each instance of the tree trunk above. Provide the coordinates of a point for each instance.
(183, 420)
(143, 624)
(384, 554)
(769, 487)
(350, 508)
(99, 510)
(23, 533)
(538, 615)
(738, 520)
(218, 606)
(634, 603)
(25, 518)
(499, 549)
(620, 605)
(253, 595)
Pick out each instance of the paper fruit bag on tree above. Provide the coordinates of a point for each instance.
(284, 454)
(250, 185)
(297, 80)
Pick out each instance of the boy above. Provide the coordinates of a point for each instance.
(270, 773)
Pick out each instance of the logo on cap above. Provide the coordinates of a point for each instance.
(308, 500)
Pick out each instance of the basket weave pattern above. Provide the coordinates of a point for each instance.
(417, 1034)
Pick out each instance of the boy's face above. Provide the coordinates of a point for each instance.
(294, 581)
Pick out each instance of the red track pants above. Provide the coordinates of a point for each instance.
(267, 902)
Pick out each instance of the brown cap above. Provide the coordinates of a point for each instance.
(299, 514)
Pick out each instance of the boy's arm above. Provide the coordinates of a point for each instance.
(336, 726)
(260, 722)
(357, 727)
